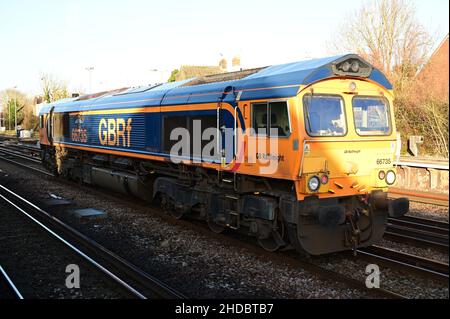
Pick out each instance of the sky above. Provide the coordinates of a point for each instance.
(138, 42)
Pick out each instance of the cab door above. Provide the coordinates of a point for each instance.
(49, 126)
(226, 128)
(225, 122)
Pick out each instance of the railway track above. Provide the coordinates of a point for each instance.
(419, 232)
(19, 154)
(422, 266)
(138, 283)
(22, 160)
(337, 276)
(293, 259)
(32, 151)
(7, 288)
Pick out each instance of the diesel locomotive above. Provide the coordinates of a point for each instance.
(299, 154)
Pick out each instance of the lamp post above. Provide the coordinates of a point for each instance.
(9, 116)
(90, 69)
(15, 111)
(1, 114)
(15, 114)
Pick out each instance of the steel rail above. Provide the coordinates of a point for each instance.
(152, 286)
(423, 266)
(419, 232)
(9, 284)
(405, 239)
(425, 225)
(337, 276)
(33, 150)
(3, 158)
(28, 147)
(8, 151)
(424, 221)
(22, 149)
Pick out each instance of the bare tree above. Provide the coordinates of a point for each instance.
(388, 35)
(16, 103)
(53, 88)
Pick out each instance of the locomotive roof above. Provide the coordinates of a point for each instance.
(276, 81)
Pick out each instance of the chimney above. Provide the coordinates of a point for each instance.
(236, 63)
(223, 65)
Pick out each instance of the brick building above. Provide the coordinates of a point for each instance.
(434, 76)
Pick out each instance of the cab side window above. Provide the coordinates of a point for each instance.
(278, 121)
(259, 118)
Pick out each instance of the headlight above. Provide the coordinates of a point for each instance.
(314, 184)
(390, 177)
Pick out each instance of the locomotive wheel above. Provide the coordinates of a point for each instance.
(271, 243)
(214, 227)
(177, 214)
(274, 241)
(168, 206)
(293, 239)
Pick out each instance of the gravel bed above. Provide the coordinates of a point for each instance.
(439, 213)
(395, 280)
(418, 251)
(429, 211)
(36, 262)
(202, 266)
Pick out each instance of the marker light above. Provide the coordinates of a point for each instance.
(314, 184)
(355, 66)
(324, 179)
(346, 66)
(381, 174)
(390, 178)
(352, 86)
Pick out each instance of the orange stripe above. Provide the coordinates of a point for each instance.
(188, 107)
(130, 154)
(109, 151)
(154, 109)
(118, 111)
(272, 87)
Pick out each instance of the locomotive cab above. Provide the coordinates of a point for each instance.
(347, 162)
